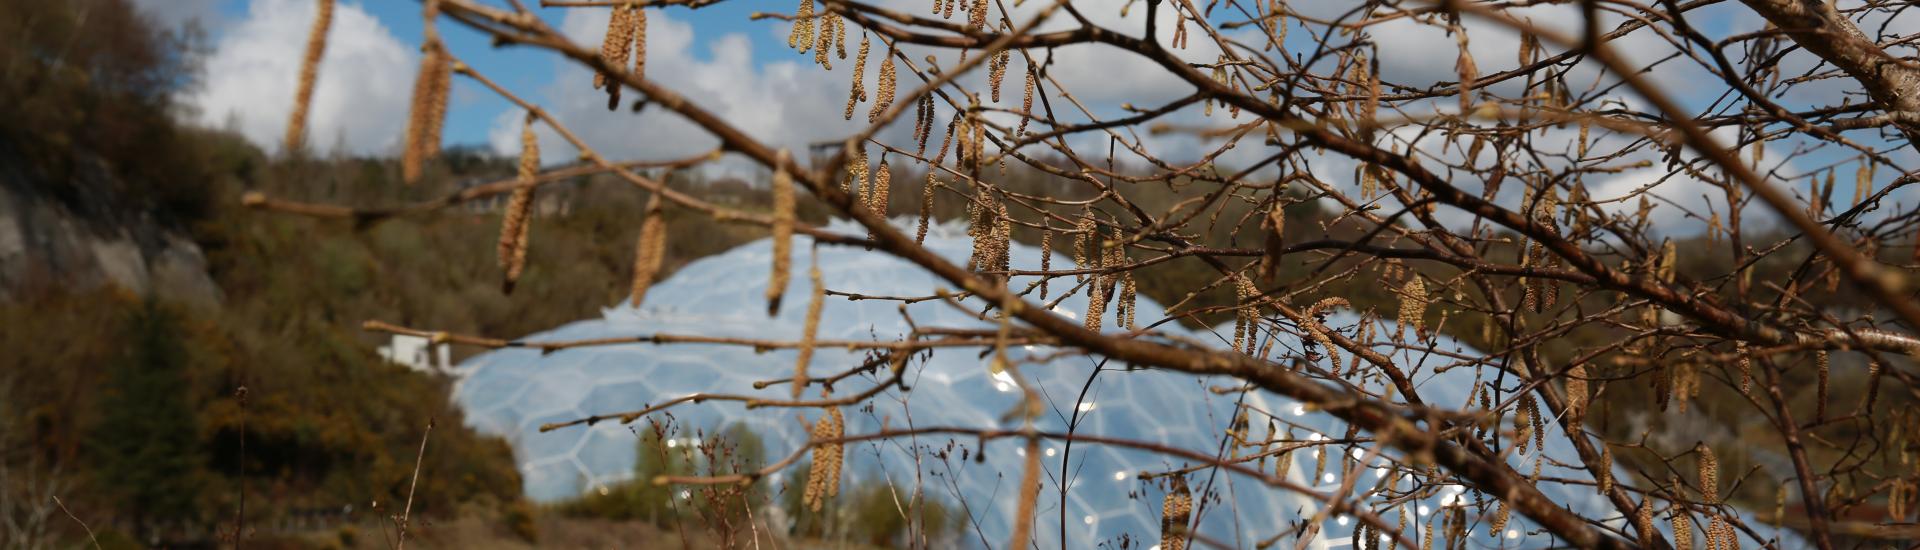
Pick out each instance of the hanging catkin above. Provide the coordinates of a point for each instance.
(1820, 392)
(1026, 104)
(514, 224)
(650, 252)
(1468, 71)
(1604, 467)
(926, 207)
(1096, 290)
(1413, 309)
(997, 72)
(427, 113)
(883, 97)
(783, 219)
(1046, 258)
(815, 303)
(1175, 511)
(1276, 235)
(1576, 393)
(882, 182)
(859, 92)
(309, 72)
(1709, 474)
(639, 33)
(1682, 529)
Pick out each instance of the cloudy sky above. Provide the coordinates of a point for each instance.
(743, 71)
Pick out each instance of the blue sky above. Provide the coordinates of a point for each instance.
(742, 71)
(519, 68)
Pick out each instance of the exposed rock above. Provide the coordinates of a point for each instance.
(47, 244)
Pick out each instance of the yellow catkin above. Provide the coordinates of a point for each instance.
(650, 252)
(639, 33)
(616, 48)
(1175, 511)
(801, 37)
(783, 219)
(823, 477)
(1682, 530)
(1746, 367)
(857, 175)
(1083, 237)
(514, 223)
(1128, 296)
(1413, 309)
(877, 200)
(926, 207)
(1862, 183)
(923, 127)
(1643, 523)
(1029, 497)
(1096, 292)
(1577, 392)
(1605, 466)
(1523, 423)
(427, 113)
(859, 92)
(1046, 259)
(840, 35)
(811, 331)
(309, 72)
(883, 96)
(1500, 516)
(1709, 474)
(977, 18)
(1026, 104)
(997, 72)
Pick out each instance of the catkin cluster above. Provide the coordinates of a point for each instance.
(1413, 309)
(823, 479)
(514, 225)
(997, 72)
(783, 219)
(923, 124)
(1576, 392)
(309, 72)
(857, 175)
(626, 34)
(833, 35)
(428, 112)
(801, 37)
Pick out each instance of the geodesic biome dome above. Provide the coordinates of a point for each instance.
(512, 392)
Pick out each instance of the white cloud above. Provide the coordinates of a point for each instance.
(789, 103)
(359, 102)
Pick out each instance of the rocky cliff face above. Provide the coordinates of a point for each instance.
(82, 240)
